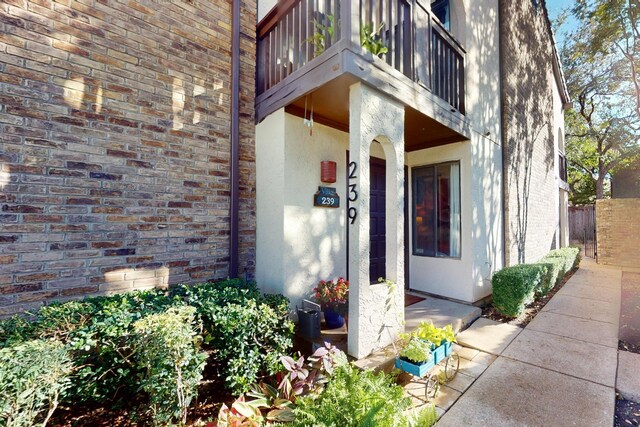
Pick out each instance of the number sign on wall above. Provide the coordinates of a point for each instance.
(326, 197)
(353, 192)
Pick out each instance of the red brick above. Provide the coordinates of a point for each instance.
(94, 157)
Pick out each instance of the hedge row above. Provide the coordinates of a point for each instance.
(515, 287)
(243, 331)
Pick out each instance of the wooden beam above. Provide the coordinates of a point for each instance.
(434, 143)
(297, 111)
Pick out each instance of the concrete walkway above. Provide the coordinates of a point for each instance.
(558, 371)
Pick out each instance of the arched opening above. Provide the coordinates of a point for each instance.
(384, 210)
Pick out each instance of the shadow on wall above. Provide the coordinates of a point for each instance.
(122, 138)
(485, 155)
(313, 251)
(529, 129)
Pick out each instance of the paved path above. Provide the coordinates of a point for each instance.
(560, 370)
(630, 316)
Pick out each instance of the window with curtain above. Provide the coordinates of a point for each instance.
(436, 210)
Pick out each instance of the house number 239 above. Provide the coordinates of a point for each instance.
(353, 192)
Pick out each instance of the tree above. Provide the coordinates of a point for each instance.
(600, 60)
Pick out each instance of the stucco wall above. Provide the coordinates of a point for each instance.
(298, 244)
(482, 67)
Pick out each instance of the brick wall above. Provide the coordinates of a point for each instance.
(115, 145)
(618, 228)
(531, 190)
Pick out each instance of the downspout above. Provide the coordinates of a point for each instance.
(503, 142)
(234, 176)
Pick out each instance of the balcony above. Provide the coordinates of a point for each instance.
(313, 48)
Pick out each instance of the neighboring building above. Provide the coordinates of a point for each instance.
(625, 183)
(448, 150)
(115, 146)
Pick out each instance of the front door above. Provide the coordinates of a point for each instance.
(377, 228)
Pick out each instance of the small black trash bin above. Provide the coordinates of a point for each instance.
(309, 319)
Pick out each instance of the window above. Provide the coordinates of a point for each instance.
(441, 10)
(436, 210)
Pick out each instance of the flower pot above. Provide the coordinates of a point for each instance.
(333, 319)
(440, 352)
(419, 370)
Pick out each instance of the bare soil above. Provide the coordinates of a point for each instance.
(625, 346)
(627, 413)
(211, 395)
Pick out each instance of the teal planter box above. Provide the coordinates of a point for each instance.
(440, 352)
(413, 369)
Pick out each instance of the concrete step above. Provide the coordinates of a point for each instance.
(441, 312)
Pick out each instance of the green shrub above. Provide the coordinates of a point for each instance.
(99, 330)
(570, 256)
(103, 346)
(248, 339)
(514, 287)
(355, 398)
(555, 273)
(167, 351)
(33, 374)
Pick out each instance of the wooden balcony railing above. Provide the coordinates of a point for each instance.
(297, 31)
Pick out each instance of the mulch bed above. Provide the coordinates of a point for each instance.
(211, 395)
(530, 311)
(627, 413)
(625, 346)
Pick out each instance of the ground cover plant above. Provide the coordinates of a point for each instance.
(145, 350)
(325, 391)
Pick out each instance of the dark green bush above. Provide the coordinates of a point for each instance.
(98, 332)
(570, 256)
(33, 374)
(555, 273)
(167, 351)
(247, 331)
(514, 287)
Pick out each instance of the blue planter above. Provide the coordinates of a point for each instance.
(333, 319)
(440, 352)
(419, 370)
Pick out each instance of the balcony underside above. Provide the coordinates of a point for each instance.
(325, 81)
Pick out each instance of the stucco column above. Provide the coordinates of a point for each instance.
(376, 312)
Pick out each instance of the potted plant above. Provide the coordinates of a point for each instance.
(370, 39)
(415, 356)
(441, 339)
(333, 296)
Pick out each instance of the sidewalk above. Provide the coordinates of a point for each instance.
(560, 370)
